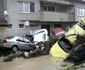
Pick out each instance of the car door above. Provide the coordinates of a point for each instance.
(21, 43)
(28, 44)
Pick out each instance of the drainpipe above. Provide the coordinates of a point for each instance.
(5, 5)
(5, 14)
(74, 10)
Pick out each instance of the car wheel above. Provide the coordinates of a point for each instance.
(14, 48)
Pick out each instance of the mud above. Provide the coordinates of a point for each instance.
(36, 63)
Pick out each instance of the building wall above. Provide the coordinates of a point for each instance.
(56, 16)
(60, 12)
(3, 32)
(15, 18)
(81, 6)
(1, 8)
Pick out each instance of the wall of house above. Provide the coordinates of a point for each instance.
(56, 16)
(16, 18)
(1, 8)
(3, 32)
(81, 6)
(60, 12)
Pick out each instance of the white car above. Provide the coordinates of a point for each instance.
(16, 43)
(41, 35)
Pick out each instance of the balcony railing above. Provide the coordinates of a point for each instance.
(56, 16)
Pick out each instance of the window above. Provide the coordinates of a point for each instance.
(9, 26)
(32, 8)
(26, 7)
(40, 32)
(26, 40)
(80, 12)
(21, 26)
(45, 8)
(20, 7)
(51, 8)
(20, 39)
(9, 37)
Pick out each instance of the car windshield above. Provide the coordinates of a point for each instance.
(9, 37)
(39, 32)
(26, 40)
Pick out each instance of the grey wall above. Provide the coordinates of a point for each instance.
(3, 32)
(1, 8)
(78, 5)
(56, 16)
(15, 18)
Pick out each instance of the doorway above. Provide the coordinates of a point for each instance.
(46, 27)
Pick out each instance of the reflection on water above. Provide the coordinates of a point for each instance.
(36, 63)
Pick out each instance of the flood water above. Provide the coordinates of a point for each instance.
(35, 63)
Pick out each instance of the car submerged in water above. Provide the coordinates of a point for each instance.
(64, 45)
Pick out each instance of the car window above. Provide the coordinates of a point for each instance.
(44, 36)
(20, 39)
(26, 40)
(40, 32)
(9, 37)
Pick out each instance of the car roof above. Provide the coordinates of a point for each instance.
(12, 37)
(58, 30)
(16, 37)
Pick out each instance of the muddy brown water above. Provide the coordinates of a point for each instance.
(36, 63)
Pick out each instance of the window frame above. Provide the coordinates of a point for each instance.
(9, 28)
(50, 6)
(26, 40)
(28, 3)
(30, 6)
(80, 11)
(18, 2)
(20, 39)
(23, 26)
